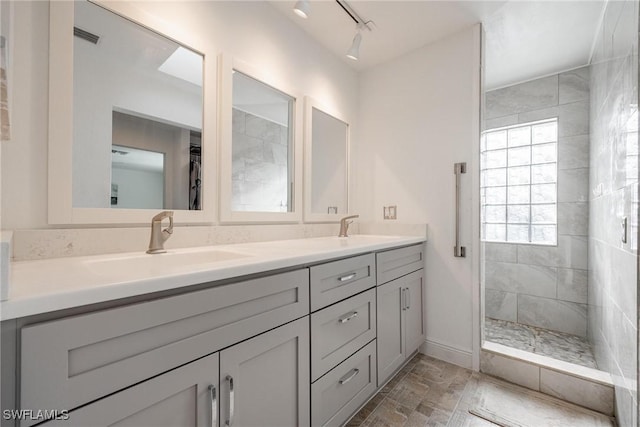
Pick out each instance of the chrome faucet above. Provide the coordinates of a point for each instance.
(159, 236)
(344, 225)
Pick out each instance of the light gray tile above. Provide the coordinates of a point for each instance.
(624, 279)
(584, 393)
(573, 219)
(527, 96)
(521, 278)
(574, 85)
(500, 305)
(553, 314)
(512, 370)
(538, 255)
(503, 252)
(573, 119)
(265, 130)
(572, 285)
(238, 120)
(573, 152)
(573, 185)
(499, 122)
(571, 252)
(541, 114)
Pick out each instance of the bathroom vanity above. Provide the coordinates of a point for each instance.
(299, 332)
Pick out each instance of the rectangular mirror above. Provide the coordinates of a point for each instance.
(259, 154)
(261, 141)
(133, 125)
(326, 164)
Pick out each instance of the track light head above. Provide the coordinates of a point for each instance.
(302, 8)
(354, 50)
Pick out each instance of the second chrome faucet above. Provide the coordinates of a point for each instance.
(159, 236)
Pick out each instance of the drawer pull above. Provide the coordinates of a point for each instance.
(349, 376)
(347, 277)
(348, 317)
(229, 421)
(214, 406)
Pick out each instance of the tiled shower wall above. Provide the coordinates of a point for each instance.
(546, 286)
(260, 176)
(613, 197)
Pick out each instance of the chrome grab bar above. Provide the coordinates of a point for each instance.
(458, 169)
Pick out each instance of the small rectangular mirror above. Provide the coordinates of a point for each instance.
(326, 164)
(260, 152)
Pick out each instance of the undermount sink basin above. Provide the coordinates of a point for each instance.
(168, 260)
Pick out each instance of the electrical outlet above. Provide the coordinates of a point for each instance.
(389, 212)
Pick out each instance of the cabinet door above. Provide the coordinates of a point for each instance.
(414, 330)
(265, 380)
(181, 397)
(391, 349)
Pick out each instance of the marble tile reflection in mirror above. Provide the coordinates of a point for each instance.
(262, 138)
(328, 164)
(137, 116)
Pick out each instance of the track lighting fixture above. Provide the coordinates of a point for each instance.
(354, 50)
(302, 8)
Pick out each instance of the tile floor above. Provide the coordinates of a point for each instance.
(566, 347)
(430, 392)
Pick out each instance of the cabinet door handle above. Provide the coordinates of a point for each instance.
(408, 294)
(351, 375)
(229, 421)
(214, 406)
(346, 318)
(347, 277)
(403, 298)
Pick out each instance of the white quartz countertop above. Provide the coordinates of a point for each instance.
(55, 284)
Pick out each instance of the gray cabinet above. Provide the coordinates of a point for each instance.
(344, 389)
(93, 355)
(264, 381)
(400, 314)
(341, 329)
(186, 397)
(337, 280)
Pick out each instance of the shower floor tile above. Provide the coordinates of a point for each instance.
(561, 346)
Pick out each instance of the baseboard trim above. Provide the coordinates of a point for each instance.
(447, 353)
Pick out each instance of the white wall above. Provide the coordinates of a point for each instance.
(253, 32)
(138, 188)
(418, 115)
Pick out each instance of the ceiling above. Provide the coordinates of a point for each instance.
(524, 39)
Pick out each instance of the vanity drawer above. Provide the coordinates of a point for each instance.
(338, 331)
(92, 355)
(335, 281)
(341, 392)
(399, 262)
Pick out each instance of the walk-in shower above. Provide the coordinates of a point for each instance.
(559, 194)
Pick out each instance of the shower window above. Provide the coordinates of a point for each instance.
(519, 183)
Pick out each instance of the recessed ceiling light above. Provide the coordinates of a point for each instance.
(302, 8)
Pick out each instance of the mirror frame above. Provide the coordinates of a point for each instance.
(60, 144)
(309, 215)
(227, 215)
